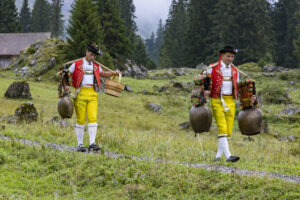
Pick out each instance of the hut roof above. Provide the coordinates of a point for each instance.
(12, 43)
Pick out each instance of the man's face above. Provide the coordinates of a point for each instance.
(227, 58)
(90, 56)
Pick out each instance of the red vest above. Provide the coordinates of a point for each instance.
(78, 73)
(217, 79)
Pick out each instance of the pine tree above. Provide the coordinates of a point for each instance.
(57, 23)
(41, 16)
(150, 45)
(198, 41)
(246, 25)
(158, 41)
(84, 28)
(25, 18)
(297, 42)
(114, 30)
(127, 14)
(285, 22)
(141, 56)
(175, 34)
(9, 22)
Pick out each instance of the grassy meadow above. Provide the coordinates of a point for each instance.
(127, 126)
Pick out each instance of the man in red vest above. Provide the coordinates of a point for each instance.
(86, 80)
(224, 79)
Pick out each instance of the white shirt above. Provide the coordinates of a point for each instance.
(226, 88)
(87, 80)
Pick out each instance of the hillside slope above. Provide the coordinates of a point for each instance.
(129, 127)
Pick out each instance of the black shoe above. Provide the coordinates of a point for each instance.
(81, 148)
(233, 159)
(94, 147)
(216, 159)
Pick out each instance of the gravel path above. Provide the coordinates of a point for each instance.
(218, 168)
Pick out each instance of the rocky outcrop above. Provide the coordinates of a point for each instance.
(291, 111)
(24, 113)
(201, 66)
(18, 90)
(271, 68)
(27, 113)
(39, 58)
(133, 70)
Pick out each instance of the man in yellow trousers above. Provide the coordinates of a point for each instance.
(224, 83)
(86, 75)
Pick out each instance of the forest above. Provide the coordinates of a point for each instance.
(263, 31)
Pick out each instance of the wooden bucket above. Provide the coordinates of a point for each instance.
(113, 87)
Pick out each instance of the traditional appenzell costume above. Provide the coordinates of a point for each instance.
(86, 81)
(224, 88)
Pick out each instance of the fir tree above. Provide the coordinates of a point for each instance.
(127, 14)
(9, 22)
(285, 22)
(150, 45)
(114, 30)
(25, 18)
(158, 41)
(84, 28)
(57, 23)
(245, 25)
(175, 34)
(40, 16)
(198, 41)
(141, 56)
(297, 42)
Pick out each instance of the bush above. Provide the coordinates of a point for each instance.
(272, 94)
(30, 50)
(284, 77)
(266, 60)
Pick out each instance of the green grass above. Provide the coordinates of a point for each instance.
(39, 173)
(128, 127)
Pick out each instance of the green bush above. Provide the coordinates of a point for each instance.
(30, 50)
(275, 95)
(266, 60)
(283, 77)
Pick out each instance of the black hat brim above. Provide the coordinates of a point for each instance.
(93, 50)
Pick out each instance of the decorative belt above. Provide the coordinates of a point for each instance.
(88, 85)
(227, 78)
(88, 72)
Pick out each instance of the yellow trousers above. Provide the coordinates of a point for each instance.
(224, 119)
(86, 104)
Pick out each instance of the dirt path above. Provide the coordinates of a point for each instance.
(217, 168)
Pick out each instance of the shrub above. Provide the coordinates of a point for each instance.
(30, 50)
(284, 77)
(277, 95)
(266, 60)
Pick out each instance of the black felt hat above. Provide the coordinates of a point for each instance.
(228, 49)
(94, 48)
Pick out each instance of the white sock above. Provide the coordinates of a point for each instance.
(79, 130)
(92, 128)
(220, 150)
(225, 147)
